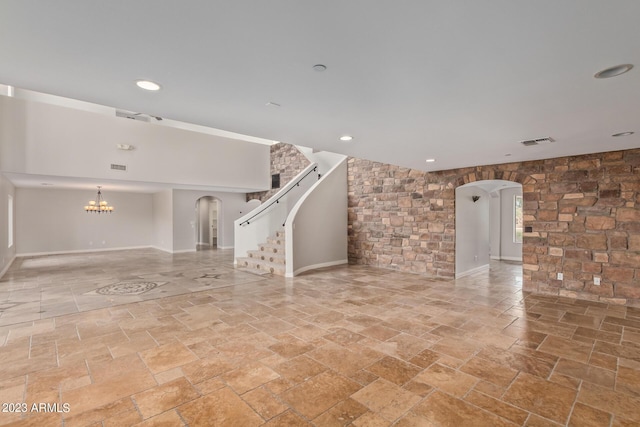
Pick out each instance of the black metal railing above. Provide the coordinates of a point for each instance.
(297, 184)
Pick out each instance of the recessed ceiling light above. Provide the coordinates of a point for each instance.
(319, 67)
(148, 85)
(46, 184)
(431, 160)
(272, 104)
(508, 155)
(613, 71)
(623, 134)
(346, 138)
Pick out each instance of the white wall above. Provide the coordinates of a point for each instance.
(472, 230)
(13, 128)
(44, 139)
(509, 250)
(231, 207)
(495, 224)
(7, 253)
(202, 208)
(50, 220)
(162, 203)
(316, 229)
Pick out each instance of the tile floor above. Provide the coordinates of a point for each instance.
(341, 346)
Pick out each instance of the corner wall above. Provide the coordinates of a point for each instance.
(7, 254)
(584, 212)
(162, 203)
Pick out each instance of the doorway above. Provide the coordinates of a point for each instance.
(488, 225)
(207, 215)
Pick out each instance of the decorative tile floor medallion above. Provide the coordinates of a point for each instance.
(127, 288)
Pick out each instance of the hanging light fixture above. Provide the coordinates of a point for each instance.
(98, 205)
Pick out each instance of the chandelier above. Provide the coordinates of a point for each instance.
(98, 205)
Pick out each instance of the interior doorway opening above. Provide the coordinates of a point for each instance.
(489, 225)
(207, 216)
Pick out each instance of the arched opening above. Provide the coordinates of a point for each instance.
(489, 227)
(207, 219)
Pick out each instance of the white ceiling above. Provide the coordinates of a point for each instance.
(458, 81)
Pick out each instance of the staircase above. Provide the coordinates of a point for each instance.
(269, 258)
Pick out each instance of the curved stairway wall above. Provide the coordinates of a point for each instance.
(316, 229)
(305, 229)
(267, 219)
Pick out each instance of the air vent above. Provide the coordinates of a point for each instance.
(133, 116)
(118, 167)
(539, 141)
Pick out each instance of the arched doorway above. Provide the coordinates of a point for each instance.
(207, 216)
(489, 226)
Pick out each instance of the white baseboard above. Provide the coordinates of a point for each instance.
(472, 271)
(506, 258)
(225, 247)
(6, 267)
(81, 251)
(315, 266)
(161, 249)
(182, 251)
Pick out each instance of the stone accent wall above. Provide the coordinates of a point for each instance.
(286, 160)
(584, 212)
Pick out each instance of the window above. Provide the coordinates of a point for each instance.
(10, 222)
(518, 221)
(275, 180)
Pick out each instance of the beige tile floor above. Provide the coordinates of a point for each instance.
(341, 346)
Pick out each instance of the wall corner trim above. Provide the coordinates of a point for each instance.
(6, 268)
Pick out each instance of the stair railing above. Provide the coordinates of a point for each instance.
(280, 196)
(263, 221)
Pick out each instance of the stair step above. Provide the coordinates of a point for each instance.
(268, 259)
(271, 248)
(264, 266)
(275, 240)
(278, 258)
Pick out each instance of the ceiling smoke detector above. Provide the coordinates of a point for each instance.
(538, 141)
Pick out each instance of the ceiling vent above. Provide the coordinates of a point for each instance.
(539, 141)
(118, 167)
(133, 116)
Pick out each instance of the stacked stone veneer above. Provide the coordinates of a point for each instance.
(584, 212)
(286, 160)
